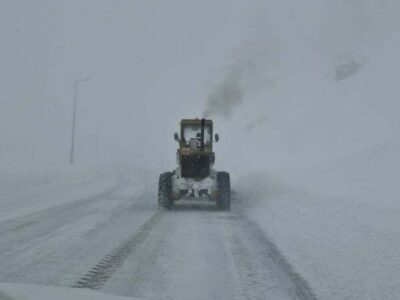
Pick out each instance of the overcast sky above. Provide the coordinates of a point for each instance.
(151, 63)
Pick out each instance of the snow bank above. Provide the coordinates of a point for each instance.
(337, 223)
(12, 291)
(332, 208)
(331, 145)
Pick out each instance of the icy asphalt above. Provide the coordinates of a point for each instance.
(118, 242)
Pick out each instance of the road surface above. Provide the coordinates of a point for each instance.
(123, 245)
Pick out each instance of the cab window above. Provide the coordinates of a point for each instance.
(194, 132)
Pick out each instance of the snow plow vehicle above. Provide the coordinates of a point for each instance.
(195, 176)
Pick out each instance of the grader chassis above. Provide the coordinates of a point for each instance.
(195, 176)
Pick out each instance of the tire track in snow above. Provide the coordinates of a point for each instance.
(271, 268)
(25, 221)
(260, 268)
(97, 276)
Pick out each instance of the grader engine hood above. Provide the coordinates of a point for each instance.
(195, 165)
(195, 154)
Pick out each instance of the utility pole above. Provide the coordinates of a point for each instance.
(76, 86)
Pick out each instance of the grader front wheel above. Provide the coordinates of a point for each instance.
(165, 191)
(224, 191)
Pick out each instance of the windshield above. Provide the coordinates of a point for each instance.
(194, 132)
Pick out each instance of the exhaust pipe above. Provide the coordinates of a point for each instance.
(203, 123)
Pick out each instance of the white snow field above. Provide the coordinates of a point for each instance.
(312, 234)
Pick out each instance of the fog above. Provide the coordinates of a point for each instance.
(304, 96)
(309, 75)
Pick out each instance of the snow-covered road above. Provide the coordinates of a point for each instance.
(118, 242)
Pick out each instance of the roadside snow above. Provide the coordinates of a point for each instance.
(336, 223)
(35, 188)
(12, 291)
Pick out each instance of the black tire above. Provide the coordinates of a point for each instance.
(165, 191)
(224, 191)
